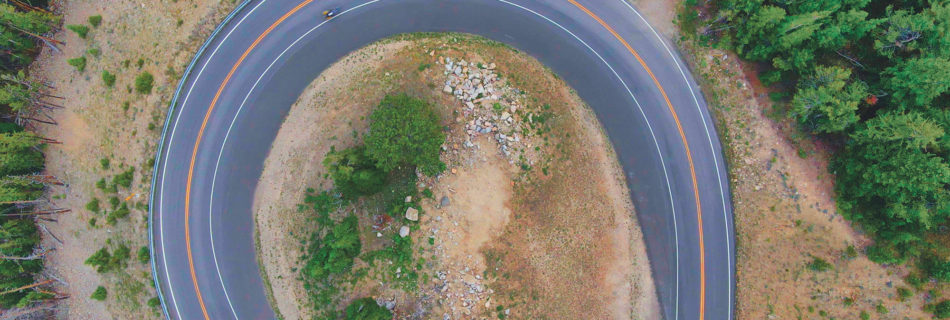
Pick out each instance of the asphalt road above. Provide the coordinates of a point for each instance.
(242, 84)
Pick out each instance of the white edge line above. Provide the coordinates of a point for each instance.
(171, 140)
(225, 141)
(712, 149)
(617, 75)
(649, 126)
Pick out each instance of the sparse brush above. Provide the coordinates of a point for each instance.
(143, 83)
(80, 30)
(79, 63)
(100, 294)
(95, 20)
(108, 78)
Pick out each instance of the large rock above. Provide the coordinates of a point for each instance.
(404, 231)
(412, 214)
(444, 202)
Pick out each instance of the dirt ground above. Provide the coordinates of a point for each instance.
(558, 262)
(95, 125)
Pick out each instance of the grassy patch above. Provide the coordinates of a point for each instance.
(80, 30)
(79, 63)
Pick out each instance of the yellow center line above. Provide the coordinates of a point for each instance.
(194, 154)
(689, 156)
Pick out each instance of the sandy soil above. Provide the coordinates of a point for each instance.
(488, 195)
(94, 126)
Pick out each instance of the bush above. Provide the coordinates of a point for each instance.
(100, 294)
(93, 205)
(103, 261)
(108, 78)
(819, 265)
(335, 251)
(940, 310)
(904, 293)
(882, 253)
(144, 255)
(121, 212)
(79, 63)
(95, 20)
(143, 83)
(125, 178)
(80, 30)
(154, 302)
(354, 173)
(101, 184)
(94, 52)
(104, 162)
(366, 309)
(405, 132)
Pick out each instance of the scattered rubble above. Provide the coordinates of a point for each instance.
(489, 106)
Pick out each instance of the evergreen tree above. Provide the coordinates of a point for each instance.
(827, 101)
(19, 154)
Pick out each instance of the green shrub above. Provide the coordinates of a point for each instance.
(115, 215)
(124, 179)
(335, 251)
(101, 184)
(79, 63)
(940, 310)
(108, 78)
(104, 162)
(114, 202)
(880, 308)
(144, 255)
(95, 20)
(354, 173)
(366, 309)
(904, 293)
(405, 131)
(100, 294)
(93, 205)
(80, 30)
(103, 261)
(819, 264)
(143, 83)
(883, 253)
(864, 315)
(94, 52)
(154, 302)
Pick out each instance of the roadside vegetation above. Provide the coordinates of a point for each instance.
(867, 79)
(379, 175)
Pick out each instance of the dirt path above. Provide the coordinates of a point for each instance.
(485, 192)
(98, 124)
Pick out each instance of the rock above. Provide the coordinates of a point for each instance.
(408, 198)
(379, 235)
(412, 214)
(390, 305)
(404, 231)
(444, 202)
(447, 89)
